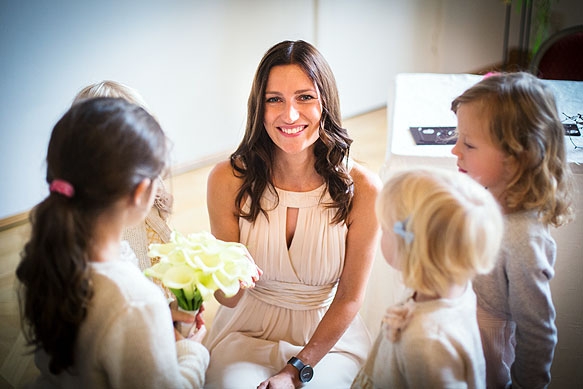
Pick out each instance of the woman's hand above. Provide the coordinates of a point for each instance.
(254, 277)
(287, 378)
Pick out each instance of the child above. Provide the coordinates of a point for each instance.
(155, 228)
(95, 319)
(439, 229)
(510, 140)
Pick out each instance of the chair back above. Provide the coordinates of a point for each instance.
(561, 56)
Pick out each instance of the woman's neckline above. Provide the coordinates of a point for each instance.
(319, 188)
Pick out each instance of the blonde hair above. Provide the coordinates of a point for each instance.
(114, 89)
(109, 88)
(525, 125)
(456, 227)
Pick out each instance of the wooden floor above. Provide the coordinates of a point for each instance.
(190, 215)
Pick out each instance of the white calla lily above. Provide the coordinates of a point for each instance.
(181, 277)
(193, 267)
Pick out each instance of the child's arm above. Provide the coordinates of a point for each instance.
(529, 272)
(139, 350)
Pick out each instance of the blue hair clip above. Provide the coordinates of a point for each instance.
(400, 229)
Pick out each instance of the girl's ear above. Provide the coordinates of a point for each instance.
(141, 193)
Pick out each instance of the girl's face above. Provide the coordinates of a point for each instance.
(389, 247)
(476, 154)
(292, 109)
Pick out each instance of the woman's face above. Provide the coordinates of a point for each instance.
(292, 109)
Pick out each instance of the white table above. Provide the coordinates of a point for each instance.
(423, 99)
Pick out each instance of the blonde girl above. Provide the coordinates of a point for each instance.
(155, 227)
(511, 141)
(440, 229)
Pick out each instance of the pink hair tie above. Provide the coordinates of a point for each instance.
(62, 187)
(490, 74)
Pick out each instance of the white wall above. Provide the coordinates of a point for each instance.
(193, 61)
(567, 290)
(368, 46)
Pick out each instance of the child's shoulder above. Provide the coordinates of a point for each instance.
(122, 282)
(527, 243)
(524, 225)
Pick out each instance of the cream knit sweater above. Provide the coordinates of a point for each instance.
(127, 339)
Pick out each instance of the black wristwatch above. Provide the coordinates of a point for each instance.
(306, 371)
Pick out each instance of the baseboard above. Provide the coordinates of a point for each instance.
(22, 218)
(187, 167)
(14, 221)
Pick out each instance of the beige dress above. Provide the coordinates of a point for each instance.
(273, 321)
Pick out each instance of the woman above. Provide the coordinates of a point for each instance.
(306, 213)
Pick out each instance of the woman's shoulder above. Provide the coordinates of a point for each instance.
(364, 178)
(223, 185)
(221, 169)
(367, 186)
(223, 174)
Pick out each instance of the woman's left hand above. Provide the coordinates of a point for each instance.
(285, 379)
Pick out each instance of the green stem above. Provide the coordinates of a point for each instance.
(187, 304)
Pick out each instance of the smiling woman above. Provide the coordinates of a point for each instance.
(305, 211)
(292, 108)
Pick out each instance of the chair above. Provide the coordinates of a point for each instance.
(561, 56)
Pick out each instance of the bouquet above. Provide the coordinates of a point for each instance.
(193, 267)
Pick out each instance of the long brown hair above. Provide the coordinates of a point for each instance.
(103, 148)
(253, 159)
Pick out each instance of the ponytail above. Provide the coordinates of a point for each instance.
(55, 279)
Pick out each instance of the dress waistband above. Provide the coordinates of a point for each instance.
(300, 297)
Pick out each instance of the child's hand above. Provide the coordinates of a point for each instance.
(199, 334)
(184, 317)
(199, 319)
(196, 335)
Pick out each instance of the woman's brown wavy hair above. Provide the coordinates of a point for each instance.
(104, 148)
(253, 159)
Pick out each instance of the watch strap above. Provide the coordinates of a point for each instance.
(297, 363)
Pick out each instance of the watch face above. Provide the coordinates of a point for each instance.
(306, 373)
